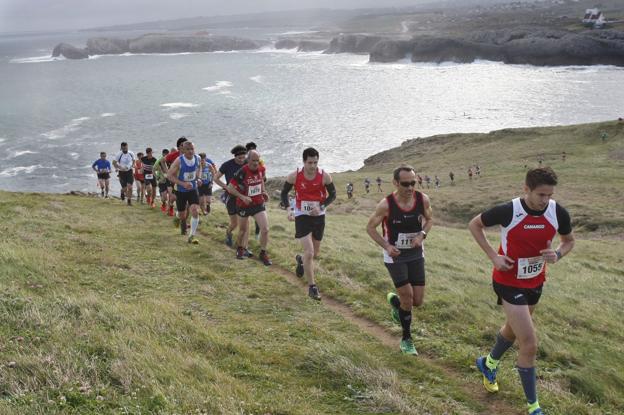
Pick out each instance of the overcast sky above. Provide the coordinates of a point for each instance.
(26, 15)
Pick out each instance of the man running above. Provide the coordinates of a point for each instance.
(139, 177)
(247, 186)
(314, 191)
(252, 146)
(452, 177)
(123, 162)
(161, 178)
(184, 174)
(379, 181)
(349, 190)
(406, 219)
(367, 183)
(208, 171)
(148, 174)
(228, 169)
(103, 168)
(165, 164)
(528, 226)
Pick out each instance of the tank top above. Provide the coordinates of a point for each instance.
(400, 227)
(138, 170)
(309, 193)
(522, 240)
(188, 173)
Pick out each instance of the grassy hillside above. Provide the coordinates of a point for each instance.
(106, 309)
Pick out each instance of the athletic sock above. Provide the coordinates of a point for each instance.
(500, 347)
(396, 302)
(194, 225)
(528, 379)
(183, 226)
(406, 323)
(208, 208)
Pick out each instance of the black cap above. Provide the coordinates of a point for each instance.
(238, 150)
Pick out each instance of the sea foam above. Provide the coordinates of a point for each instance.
(66, 129)
(178, 115)
(20, 153)
(219, 86)
(14, 171)
(107, 114)
(173, 105)
(37, 59)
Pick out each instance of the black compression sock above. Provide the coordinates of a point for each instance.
(406, 323)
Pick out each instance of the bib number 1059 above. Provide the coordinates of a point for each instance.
(530, 267)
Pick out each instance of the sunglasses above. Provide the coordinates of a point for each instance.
(408, 184)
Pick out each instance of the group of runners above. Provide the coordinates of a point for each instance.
(528, 226)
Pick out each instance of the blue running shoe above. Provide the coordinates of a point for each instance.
(489, 375)
(534, 408)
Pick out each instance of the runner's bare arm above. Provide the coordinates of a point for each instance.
(566, 244)
(428, 214)
(371, 228)
(172, 173)
(217, 180)
(477, 229)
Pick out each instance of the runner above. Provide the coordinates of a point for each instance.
(349, 190)
(406, 219)
(252, 146)
(419, 179)
(437, 181)
(247, 186)
(470, 173)
(161, 178)
(367, 184)
(165, 164)
(452, 177)
(427, 181)
(102, 167)
(139, 176)
(148, 172)
(228, 169)
(379, 181)
(208, 170)
(314, 191)
(123, 162)
(528, 226)
(184, 174)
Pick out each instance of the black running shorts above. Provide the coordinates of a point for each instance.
(151, 182)
(184, 199)
(103, 176)
(205, 190)
(517, 296)
(306, 224)
(410, 272)
(126, 178)
(230, 204)
(248, 211)
(162, 187)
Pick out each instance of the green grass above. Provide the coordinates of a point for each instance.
(106, 309)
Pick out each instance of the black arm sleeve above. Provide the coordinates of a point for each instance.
(498, 215)
(331, 190)
(284, 195)
(563, 218)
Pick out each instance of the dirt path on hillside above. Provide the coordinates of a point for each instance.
(492, 403)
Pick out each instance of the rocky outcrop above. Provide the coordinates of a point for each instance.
(353, 43)
(312, 46)
(156, 43)
(534, 47)
(68, 51)
(286, 44)
(107, 46)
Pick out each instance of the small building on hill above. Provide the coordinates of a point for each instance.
(594, 18)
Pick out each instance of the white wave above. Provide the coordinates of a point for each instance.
(20, 153)
(258, 78)
(219, 85)
(172, 105)
(74, 156)
(300, 32)
(37, 59)
(66, 129)
(108, 114)
(14, 171)
(178, 115)
(224, 92)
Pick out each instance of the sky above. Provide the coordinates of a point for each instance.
(42, 15)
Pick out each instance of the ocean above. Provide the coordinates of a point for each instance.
(56, 115)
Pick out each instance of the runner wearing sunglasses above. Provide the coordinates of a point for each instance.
(405, 216)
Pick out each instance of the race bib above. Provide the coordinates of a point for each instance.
(530, 267)
(405, 240)
(254, 190)
(149, 176)
(189, 176)
(307, 206)
(205, 176)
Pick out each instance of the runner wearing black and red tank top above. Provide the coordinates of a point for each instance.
(403, 222)
(528, 226)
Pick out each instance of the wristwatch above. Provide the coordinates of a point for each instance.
(424, 234)
(558, 252)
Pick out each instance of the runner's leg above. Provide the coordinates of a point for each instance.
(262, 220)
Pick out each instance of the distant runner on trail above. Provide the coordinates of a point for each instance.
(161, 178)
(228, 169)
(406, 219)
(103, 168)
(123, 162)
(349, 190)
(139, 177)
(148, 173)
(379, 181)
(367, 183)
(208, 171)
(314, 191)
(184, 173)
(528, 227)
(248, 187)
(165, 163)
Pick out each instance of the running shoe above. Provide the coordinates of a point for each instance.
(129, 202)
(240, 253)
(248, 253)
(313, 292)
(193, 240)
(407, 347)
(176, 221)
(264, 257)
(538, 411)
(299, 270)
(394, 311)
(489, 375)
(123, 195)
(228, 239)
(163, 208)
(171, 213)
(534, 408)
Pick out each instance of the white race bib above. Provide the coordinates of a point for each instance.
(149, 176)
(530, 267)
(189, 176)
(205, 176)
(307, 206)
(254, 190)
(405, 240)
